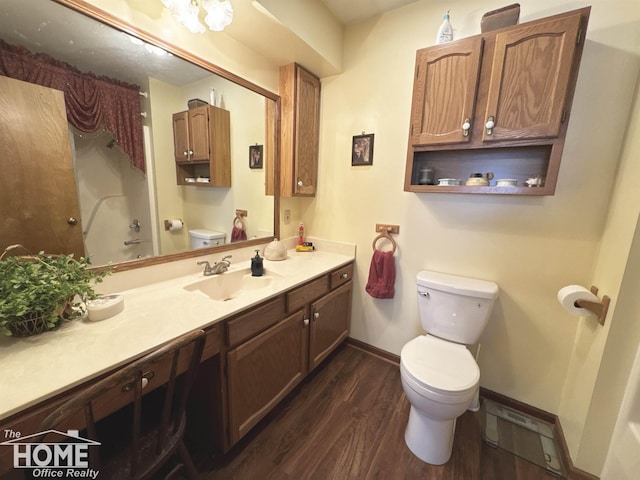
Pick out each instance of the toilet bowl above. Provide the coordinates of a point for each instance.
(439, 375)
(440, 380)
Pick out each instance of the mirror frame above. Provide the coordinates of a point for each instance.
(102, 16)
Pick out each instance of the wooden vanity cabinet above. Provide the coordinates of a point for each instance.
(497, 102)
(202, 146)
(300, 129)
(274, 346)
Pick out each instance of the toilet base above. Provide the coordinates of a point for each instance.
(429, 440)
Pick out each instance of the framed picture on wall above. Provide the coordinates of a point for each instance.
(362, 149)
(255, 156)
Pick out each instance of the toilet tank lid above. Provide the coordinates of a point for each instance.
(206, 234)
(470, 287)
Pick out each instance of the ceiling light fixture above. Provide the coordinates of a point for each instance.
(219, 13)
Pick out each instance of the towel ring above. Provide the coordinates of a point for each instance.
(388, 237)
(238, 219)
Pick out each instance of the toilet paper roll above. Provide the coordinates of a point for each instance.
(569, 295)
(175, 224)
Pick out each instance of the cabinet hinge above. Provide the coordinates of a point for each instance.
(579, 39)
(564, 115)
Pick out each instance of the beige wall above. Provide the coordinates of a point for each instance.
(530, 246)
(532, 350)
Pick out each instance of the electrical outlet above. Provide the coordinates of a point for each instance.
(287, 217)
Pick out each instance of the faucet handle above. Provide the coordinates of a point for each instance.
(224, 259)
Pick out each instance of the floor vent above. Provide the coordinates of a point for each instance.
(522, 435)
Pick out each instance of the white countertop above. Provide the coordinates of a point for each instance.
(36, 368)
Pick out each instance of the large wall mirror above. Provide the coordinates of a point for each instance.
(121, 209)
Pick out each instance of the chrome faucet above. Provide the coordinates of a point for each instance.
(217, 268)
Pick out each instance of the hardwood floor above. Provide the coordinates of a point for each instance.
(347, 421)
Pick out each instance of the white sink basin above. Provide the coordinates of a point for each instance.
(230, 285)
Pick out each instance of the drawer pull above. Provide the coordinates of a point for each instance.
(145, 381)
(344, 275)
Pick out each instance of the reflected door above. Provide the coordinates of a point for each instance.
(38, 199)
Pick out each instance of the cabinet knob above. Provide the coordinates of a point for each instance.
(186, 154)
(72, 221)
(344, 275)
(190, 152)
(300, 184)
(490, 124)
(305, 322)
(466, 126)
(316, 315)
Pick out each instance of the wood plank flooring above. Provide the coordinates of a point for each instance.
(347, 421)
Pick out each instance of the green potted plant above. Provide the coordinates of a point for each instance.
(40, 292)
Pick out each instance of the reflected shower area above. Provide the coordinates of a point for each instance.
(114, 200)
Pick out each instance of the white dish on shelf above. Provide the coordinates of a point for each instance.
(449, 182)
(506, 182)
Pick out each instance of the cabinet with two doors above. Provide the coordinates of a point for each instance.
(496, 105)
(271, 349)
(202, 146)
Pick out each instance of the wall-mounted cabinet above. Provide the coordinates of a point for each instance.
(202, 147)
(300, 127)
(495, 103)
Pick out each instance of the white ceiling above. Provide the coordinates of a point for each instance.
(350, 11)
(47, 26)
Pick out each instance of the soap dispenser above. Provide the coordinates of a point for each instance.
(257, 268)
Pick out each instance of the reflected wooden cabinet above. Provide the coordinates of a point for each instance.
(300, 129)
(497, 102)
(202, 146)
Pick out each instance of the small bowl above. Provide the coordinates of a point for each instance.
(477, 182)
(449, 182)
(506, 182)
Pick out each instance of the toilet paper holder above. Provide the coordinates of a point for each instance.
(598, 308)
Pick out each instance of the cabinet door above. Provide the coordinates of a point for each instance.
(329, 323)
(199, 133)
(444, 92)
(263, 370)
(306, 132)
(181, 136)
(530, 75)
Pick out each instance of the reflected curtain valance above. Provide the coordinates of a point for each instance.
(92, 102)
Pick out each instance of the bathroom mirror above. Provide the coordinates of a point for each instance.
(123, 210)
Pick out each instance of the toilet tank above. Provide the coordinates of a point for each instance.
(454, 308)
(205, 238)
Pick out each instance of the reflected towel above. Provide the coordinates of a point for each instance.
(238, 234)
(382, 275)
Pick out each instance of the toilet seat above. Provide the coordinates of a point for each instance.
(440, 366)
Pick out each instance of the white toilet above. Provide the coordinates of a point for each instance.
(439, 374)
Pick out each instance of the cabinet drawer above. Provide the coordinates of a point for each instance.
(341, 276)
(212, 343)
(256, 320)
(308, 292)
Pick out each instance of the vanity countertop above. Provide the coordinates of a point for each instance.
(36, 368)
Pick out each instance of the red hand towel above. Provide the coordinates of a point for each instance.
(238, 234)
(382, 275)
